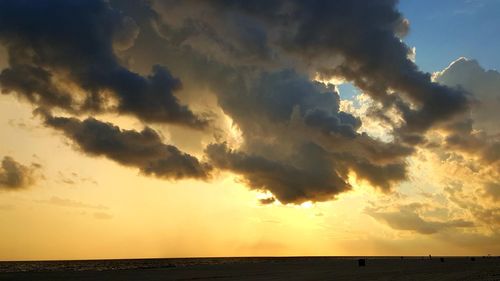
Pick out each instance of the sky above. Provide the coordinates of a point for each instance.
(446, 30)
(133, 129)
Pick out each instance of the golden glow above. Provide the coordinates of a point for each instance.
(334, 80)
(307, 205)
(234, 136)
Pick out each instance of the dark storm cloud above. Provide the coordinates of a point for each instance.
(62, 54)
(342, 123)
(358, 40)
(272, 97)
(365, 33)
(310, 178)
(298, 144)
(258, 58)
(309, 174)
(35, 84)
(144, 150)
(382, 176)
(236, 49)
(15, 176)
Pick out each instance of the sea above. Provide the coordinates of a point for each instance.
(258, 269)
(131, 264)
(123, 264)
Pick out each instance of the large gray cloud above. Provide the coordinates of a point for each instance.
(258, 58)
(62, 54)
(298, 144)
(308, 176)
(483, 84)
(144, 150)
(251, 56)
(477, 131)
(358, 40)
(15, 176)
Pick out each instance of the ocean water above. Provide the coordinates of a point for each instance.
(127, 264)
(130, 264)
(258, 269)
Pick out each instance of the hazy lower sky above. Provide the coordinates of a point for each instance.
(248, 128)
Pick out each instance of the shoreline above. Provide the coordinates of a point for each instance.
(282, 268)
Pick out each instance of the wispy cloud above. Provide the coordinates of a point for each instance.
(63, 202)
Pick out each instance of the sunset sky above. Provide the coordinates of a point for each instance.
(167, 128)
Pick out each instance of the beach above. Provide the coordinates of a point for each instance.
(296, 268)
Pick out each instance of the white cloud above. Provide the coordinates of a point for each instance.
(484, 85)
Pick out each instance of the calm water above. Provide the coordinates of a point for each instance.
(101, 265)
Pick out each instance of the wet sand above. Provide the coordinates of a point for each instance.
(484, 269)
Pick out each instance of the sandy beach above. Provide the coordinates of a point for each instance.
(305, 268)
